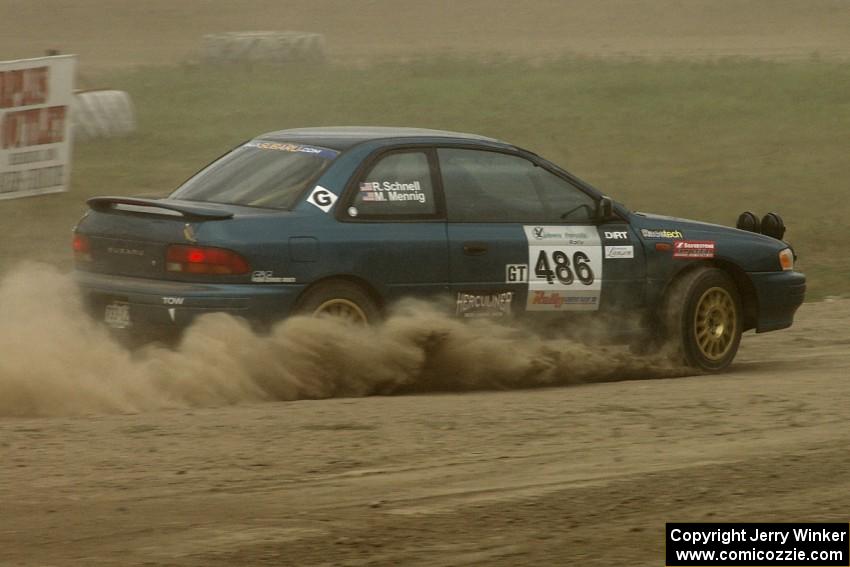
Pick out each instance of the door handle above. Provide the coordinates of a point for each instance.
(474, 248)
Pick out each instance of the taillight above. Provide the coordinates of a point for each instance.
(205, 260)
(82, 248)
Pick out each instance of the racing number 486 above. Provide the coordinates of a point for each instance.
(560, 268)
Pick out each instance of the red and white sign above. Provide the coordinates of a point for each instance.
(693, 249)
(35, 125)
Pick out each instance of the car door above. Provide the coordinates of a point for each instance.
(523, 238)
(393, 231)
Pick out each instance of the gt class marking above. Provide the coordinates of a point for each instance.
(322, 198)
(516, 273)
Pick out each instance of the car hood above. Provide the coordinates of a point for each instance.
(697, 230)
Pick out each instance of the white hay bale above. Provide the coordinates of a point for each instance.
(264, 46)
(102, 114)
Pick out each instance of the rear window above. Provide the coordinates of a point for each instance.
(258, 174)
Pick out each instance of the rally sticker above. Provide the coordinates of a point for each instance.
(484, 305)
(619, 252)
(296, 148)
(565, 268)
(693, 249)
(661, 233)
(322, 198)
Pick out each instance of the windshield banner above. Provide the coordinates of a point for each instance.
(35, 125)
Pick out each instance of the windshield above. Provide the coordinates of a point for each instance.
(258, 174)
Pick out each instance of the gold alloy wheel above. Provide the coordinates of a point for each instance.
(715, 323)
(343, 308)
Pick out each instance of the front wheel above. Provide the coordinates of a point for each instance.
(702, 313)
(341, 299)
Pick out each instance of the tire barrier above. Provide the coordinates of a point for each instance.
(102, 114)
(263, 46)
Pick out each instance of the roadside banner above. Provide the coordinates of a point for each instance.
(35, 125)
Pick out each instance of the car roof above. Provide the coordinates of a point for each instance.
(343, 137)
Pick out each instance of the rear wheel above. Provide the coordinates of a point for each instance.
(341, 299)
(703, 321)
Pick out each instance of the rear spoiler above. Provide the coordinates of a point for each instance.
(157, 207)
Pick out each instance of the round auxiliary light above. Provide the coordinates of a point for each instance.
(772, 225)
(748, 221)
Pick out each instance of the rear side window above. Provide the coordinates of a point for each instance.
(397, 185)
(258, 174)
(484, 186)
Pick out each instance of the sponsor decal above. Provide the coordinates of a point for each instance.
(266, 276)
(392, 191)
(296, 148)
(661, 233)
(557, 299)
(693, 249)
(189, 233)
(322, 198)
(620, 251)
(575, 235)
(616, 235)
(516, 273)
(564, 267)
(484, 305)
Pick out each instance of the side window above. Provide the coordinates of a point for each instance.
(484, 186)
(399, 184)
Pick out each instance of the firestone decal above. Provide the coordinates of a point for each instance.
(693, 249)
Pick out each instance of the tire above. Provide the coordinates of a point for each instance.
(702, 318)
(264, 46)
(339, 299)
(102, 114)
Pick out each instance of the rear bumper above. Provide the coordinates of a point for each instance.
(160, 306)
(779, 295)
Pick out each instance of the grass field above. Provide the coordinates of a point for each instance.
(703, 140)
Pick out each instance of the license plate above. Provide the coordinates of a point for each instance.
(117, 315)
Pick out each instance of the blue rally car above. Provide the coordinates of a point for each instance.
(344, 221)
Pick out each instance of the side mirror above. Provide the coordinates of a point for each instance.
(604, 208)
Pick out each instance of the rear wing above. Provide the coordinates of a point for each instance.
(189, 211)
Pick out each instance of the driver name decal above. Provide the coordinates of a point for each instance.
(565, 268)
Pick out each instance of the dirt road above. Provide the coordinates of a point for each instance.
(584, 473)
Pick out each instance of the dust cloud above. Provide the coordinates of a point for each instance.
(57, 361)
